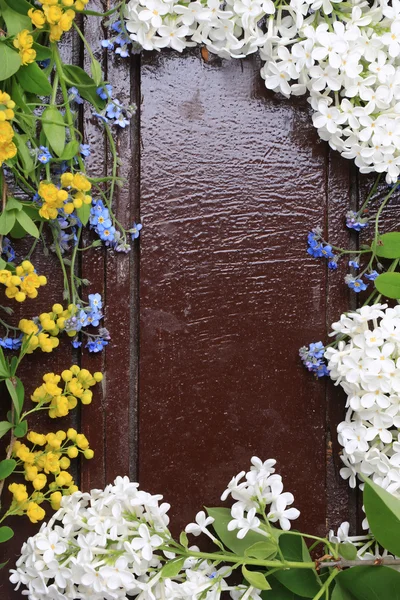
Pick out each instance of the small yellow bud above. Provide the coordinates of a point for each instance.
(71, 434)
(88, 454)
(67, 375)
(72, 452)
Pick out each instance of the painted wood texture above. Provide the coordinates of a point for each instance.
(207, 317)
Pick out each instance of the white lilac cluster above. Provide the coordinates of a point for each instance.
(345, 55)
(366, 545)
(260, 490)
(114, 543)
(366, 364)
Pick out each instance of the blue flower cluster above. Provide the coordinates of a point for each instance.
(120, 42)
(9, 343)
(318, 249)
(75, 96)
(357, 284)
(100, 221)
(65, 230)
(91, 315)
(114, 113)
(313, 358)
(44, 156)
(355, 222)
(8, 251)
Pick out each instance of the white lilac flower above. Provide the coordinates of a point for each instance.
(200, 526)
(112, 544)
(367, 366)
(351, 71)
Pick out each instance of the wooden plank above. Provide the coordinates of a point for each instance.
(232, 178)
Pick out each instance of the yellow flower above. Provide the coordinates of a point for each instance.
(24, 42)
(88, 453)
(81, 183)
(40, 481)
(35, 512)
(53, 14)
(72, 452)
(37, 17)
(38, 439)
(64, 479)
(55, 500)
(28, 327)
(19, 492)
(31, 472)
(71, 434)
(82, 441)
(66, 20)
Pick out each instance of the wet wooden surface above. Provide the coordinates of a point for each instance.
(206, 318)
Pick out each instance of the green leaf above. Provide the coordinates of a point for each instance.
(263, 550)
(14, 20)
(16, 390)
(21, 6)
(42, 52)
(278, 591)
(54, 128)
(86, 85)
(387, 245)
(383, 514)
(183, 539)
(26, 223)
(370, 583)
(348, 551)
(221, 517)
(23, 153)
(6, 533)
(3, 265)
(4, 369)
(32, 79)
(303, 582)
(10, 61)
(97, 72)
(256, 579)
(388, 284)
(340, 593)
(7, 220)
(21, 429)
(71, 150)
(84, 213)
(172, 568)
(13, 203)
(5, 426)
(7, 466)
(2, 565)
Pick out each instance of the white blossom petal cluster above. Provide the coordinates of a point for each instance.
(366, 364)
(366, 545)
(259, 491)
(344, 55)
(113, 543)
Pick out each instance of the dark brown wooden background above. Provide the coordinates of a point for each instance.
(207, 316)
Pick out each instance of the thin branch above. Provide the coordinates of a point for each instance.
(343, 563)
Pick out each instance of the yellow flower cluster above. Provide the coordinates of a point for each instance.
(46, 464)
(24, 283)
(45, 328)
(73, 188)
(58, 14)
(23, 42)
(63, 399)
(7, 147)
